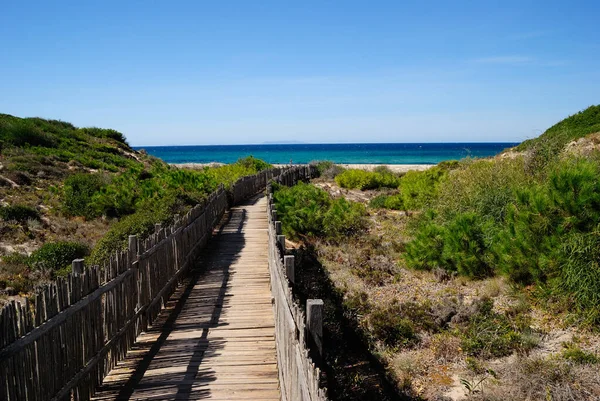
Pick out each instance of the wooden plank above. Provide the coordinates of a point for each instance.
(224, 325)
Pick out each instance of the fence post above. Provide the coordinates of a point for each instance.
(281, 242)
(133, 249)
(314, 322)
(157, 227)
(278, 227)
(274, 214)
(288, 261)
(77, 266)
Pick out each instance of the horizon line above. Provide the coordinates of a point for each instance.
(330, 143)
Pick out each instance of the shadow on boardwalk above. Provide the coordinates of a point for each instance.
(210, 340)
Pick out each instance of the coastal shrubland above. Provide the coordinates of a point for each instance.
(477, 274)
(362, 179)
(307, 211)
(68, 192)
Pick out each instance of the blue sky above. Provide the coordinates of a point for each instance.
(199, 72)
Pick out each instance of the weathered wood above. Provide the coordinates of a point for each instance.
(314, 322)
(220, 340)
(278, 227)
(79, 328)
(288, 261)
(299, 378)
(281, 242)
(77, 266)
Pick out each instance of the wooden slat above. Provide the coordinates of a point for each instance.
(216, 338)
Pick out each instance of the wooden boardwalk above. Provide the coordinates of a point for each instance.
(216, 338)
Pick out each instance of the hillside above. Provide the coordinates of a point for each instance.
(68, 192)
(571, 128)
(473, 280)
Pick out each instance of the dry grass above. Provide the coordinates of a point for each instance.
(369, 271)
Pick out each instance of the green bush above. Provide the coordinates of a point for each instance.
(362, 179)
(343, 218)
(19, 213)
(383, 201)
(254, 164)
(140, 223)
(462, 245)
(305, 210)
(78, 193)
(327, 169)
(490, 334)
(20, 132)
(379, 201)
(419, 188)
(105, 133)
(57, 255)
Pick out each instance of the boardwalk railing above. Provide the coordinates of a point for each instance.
(61, 345)
(298, 375)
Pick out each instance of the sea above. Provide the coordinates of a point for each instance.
(350, 153)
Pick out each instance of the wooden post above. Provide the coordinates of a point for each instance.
(157, 227)
(314, 322)
(274, 214)
(133, 249)
(288, 261)
(281, 242)
(77, 266)
(278, 227)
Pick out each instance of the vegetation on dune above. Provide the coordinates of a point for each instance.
(523, 227)
(381, 177)
(58, 181)
(571, 128)
(306, 210)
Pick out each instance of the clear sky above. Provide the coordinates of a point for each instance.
(226, 72)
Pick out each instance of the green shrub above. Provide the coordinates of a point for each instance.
(343, 218)
(20, 213)
(462, 245)
(490, 334)
(57, 255)
(140, 223)
(305, 210)
(362, 179)
(78, 193)
(379, 201)
(419, 188)
(254, 164)
(105, 133)
(328, 169)
(21, 132)
(301, 208)
(485, 187)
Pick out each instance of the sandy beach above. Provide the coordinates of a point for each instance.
(396, 168)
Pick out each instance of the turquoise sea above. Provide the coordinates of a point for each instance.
(355, 153)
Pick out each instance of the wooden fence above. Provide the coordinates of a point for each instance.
(299, 378)
(61, 345)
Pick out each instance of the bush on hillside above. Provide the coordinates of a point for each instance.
(57, 255)
(383, 201)
(78, 193)
(105, 133)
(305, 210)
(19, 213)
(140, 223)
(363, 180)
(328, 169)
